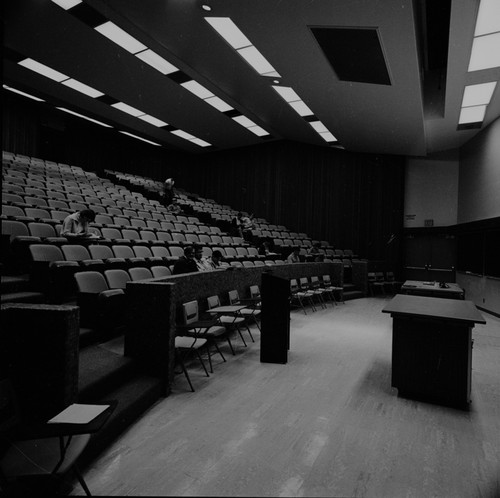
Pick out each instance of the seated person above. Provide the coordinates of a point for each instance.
(215, 260)
(315, 253)
(168, 192)
(201, 262)
(186, 263)
(294, 257)
(76, 225)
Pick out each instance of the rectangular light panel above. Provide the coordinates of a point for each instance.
(219, 104)
(23, 93)
(120, 37)
(287, 93)
(488, 17)
(485, 52)
(319, 126)
(183, 134)
(152, 120)
(82, 88)
(478, 94)
(257, 130)
(301, 108)
(200, 142)
(229, 31)
(84, 117)
(328, 137)
(43, 70)
(139, 138)
(472, 114)
(67, 4)
(244, 121)
(128, 109)
(258, 61)
(198, 90)
(154, 60)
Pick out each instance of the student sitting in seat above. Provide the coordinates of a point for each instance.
(186, 263)
(314, 252)
(201, 262)
(215, 260)
(76, 225)
(294, 257)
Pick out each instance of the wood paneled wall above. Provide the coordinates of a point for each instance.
(352, 200)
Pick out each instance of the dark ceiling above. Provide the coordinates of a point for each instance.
(413, 110)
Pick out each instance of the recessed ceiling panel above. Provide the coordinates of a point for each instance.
(354, 53)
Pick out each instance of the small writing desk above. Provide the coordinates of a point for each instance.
(432, 289)
(432, 347)
(221, 310)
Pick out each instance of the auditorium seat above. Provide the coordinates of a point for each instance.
(140, 273)
(46, 232)
(301, 297)
(159, 271)
(126, 252)
(116, 278)
(101, 308)
(104, 253)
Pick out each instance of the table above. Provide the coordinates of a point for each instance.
(221, 310)
(433, 289)
(432, 347)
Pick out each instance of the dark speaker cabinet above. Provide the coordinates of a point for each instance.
(275, 319)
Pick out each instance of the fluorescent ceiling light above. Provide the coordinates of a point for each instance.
(229, 31)
(257, 130)
(244, 121)
(43, 70)
(199, 90)
(488, 17)
(139, 138)
(84, 117)
(219, 104)
(154, 60)
(319, 126)
(128, 109)
(478, 94)
(301, 108)
(23, 93)
(258, 61)
(288, 94)
(183, 134)
(472, 114)
(485, 52)
(80, 87)
(200, 142)
(328, 137)
(152, 120)
(67, 4)
(120, 37)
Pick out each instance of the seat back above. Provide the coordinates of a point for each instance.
(98, 251)
(233, 296)
(45, 253)
(142, 251)
(123, 251)
(41, 230)
(254, 291)
(160, 271)
(190, 312)
(75, 252)
(213, 301)
(90, 282)
(139, 273)
(117, 279)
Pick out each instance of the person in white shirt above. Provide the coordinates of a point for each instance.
(202, 263)
(76, 225)
(294, 257)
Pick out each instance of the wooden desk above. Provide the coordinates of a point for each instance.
(432, 289)
(432, 347)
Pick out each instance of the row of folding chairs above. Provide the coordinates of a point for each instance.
(383, 283)
(314, 292)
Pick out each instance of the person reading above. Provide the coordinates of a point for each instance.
(76, 225)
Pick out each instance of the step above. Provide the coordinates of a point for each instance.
(14, 283)
(353, 294)
(134, 398)
(23, 297)
(102, 370)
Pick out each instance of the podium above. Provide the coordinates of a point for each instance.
(275, 319)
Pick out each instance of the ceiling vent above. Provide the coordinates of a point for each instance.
(355, 53)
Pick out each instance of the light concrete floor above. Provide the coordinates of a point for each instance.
(328, 423)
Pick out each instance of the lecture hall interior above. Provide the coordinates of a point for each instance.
(343, 159)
